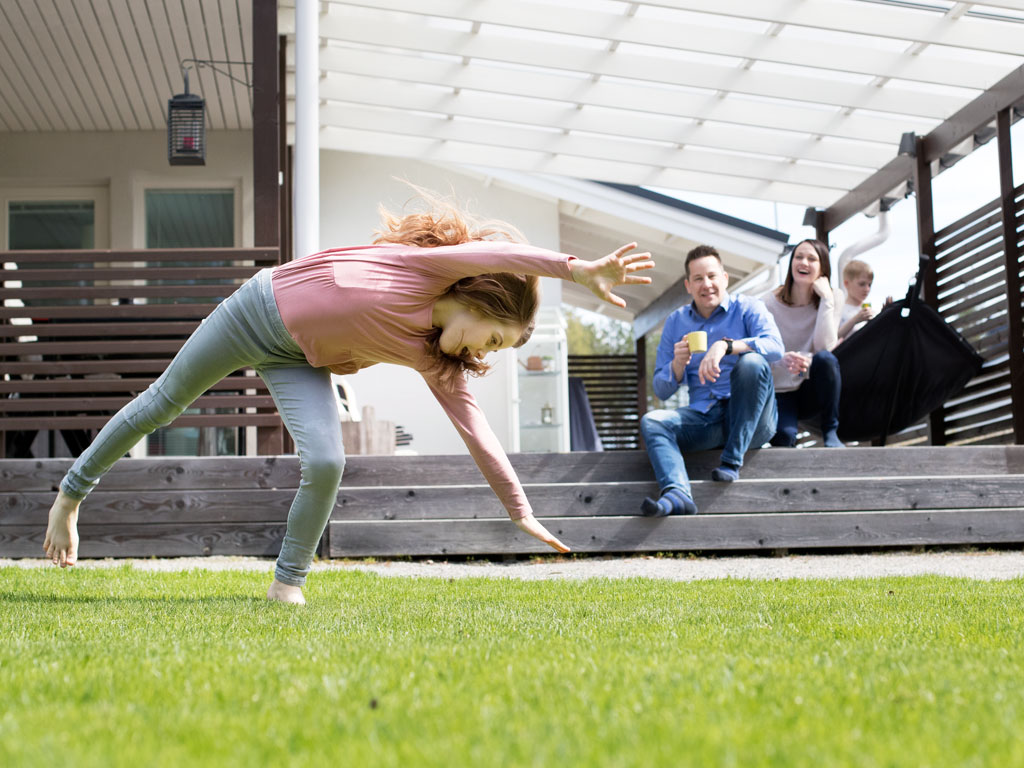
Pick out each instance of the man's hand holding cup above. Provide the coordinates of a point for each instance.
(686, 348)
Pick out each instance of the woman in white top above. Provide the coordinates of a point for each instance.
(807, 379)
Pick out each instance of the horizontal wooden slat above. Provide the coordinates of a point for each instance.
(157, 540)
(988, 263)
(980, 212)
(112, 329)
(947, 308)
(90, 274)
(577, 467)
(263, 255)
(105, 347)
(83, 367)
(92, 404)
(98, 422)
(146, 312)
(599, 499)
(693, 533)
(158, 504)
(134, 385)
(177, 292)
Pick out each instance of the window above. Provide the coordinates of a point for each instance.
(51, 225)
(190, 218)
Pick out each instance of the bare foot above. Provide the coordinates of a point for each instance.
(285, 593)
(61, 542)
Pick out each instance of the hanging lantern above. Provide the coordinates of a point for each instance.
(186, 128)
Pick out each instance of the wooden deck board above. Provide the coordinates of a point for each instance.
(439, 505)
(694, 533)
(283, 471)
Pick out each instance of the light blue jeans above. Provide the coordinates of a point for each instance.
(747, 418)
(244, 330)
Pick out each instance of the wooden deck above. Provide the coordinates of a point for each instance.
(439, 506)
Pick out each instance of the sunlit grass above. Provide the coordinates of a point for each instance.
(124, 667)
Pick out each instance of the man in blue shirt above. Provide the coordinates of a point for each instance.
(732, 397)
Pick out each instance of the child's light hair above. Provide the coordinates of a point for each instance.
(855, 269)
(509, 298)
(439, 221)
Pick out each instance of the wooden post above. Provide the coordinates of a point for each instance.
(266, 164)
(926, 248)
(820, 230)
(285, 156)
(1011, 255)
(641, 385)
(265, 127)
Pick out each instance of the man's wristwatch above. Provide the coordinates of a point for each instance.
(728, 346)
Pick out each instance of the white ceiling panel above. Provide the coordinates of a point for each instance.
(777, 99)
(787, 101)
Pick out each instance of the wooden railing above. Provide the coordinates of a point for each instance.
(972, 297)
(83, 332)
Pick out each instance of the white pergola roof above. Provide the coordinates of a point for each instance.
(776, 99)
(786, 100)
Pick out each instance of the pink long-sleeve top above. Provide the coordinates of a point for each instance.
(348, 308)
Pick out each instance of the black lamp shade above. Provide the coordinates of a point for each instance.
(186, 130)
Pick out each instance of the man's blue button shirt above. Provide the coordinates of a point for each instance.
(740, 318)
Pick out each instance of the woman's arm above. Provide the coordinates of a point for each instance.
(472, 426)
(825, 335)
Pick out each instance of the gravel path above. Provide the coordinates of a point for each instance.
(973, 565)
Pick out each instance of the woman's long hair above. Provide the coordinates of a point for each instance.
(784, 292)
(508, 298)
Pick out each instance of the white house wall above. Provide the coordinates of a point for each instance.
(127, 163)
(351, 187)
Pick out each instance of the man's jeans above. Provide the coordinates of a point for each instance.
(748, 417)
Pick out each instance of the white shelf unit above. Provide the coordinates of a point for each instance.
(543, 386)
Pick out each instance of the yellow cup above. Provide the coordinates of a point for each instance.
(698, 341)
(866, 305)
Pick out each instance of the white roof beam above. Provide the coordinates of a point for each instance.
(401, 123)
(371, 141)
(615, 122)
(651, 99)
(866, 60)
(494, 47)
(871, 19)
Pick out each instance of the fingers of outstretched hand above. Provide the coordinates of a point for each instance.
(637, 261)
(621, 251)
(535, 529)
(611, 298)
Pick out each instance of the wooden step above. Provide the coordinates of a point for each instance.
(430, 505)
(580, 467)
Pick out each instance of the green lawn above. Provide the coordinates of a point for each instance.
(129, 668)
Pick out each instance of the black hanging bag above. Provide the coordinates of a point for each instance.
(901, 366)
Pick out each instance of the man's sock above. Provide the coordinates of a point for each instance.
(672, 502)
(727, 473)
(832, 440)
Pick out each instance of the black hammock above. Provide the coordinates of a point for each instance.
(898, 368)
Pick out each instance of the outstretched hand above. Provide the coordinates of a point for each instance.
(614, 269)
(532, 527)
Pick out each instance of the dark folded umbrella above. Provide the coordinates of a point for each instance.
(901, 366)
